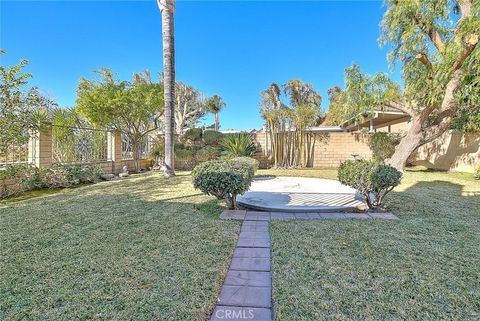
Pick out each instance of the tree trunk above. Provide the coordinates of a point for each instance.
(136, 146)
(217, 125)
(407, 145)
(167, 8)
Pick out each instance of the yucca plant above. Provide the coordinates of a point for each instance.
(235, 145)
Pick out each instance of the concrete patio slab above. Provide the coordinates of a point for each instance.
(300, 194)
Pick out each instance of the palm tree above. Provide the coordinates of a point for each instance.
(167, 7)
(214, 105)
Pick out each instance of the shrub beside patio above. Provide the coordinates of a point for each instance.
(143, 248)
(423, 266)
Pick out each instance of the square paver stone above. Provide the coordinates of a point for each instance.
(332, 215)
(254, 235)
(231, 313)
(244, 242)
(254, 227)
(250, 264)
(307, 216)
(251, 278)
(243, 252)
(282, 216)
(245, 296)
(257, 216)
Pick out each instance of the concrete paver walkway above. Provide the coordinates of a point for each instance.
(246, 293)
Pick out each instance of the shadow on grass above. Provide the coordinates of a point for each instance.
(435, 198)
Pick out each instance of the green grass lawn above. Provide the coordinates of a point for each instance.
(425, 266)
(146, 248)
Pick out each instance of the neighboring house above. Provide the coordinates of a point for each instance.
(388, 120)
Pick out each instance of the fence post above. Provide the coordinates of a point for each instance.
(115, 150)
(40, 149)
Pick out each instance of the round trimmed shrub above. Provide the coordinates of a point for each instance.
(249, 161)
(224, 179)
(193, 134)
(206, 153)
(372, 179)
(212, 137)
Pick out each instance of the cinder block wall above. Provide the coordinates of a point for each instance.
(329, 149)
(454, 151)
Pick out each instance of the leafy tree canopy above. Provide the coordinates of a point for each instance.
(132, 107)
(362, 93)
(128, 106)
(22, 108)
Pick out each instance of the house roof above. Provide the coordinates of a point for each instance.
(376, 119)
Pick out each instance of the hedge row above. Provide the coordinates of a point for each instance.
(16, 179)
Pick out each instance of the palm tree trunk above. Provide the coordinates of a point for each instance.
(217, 125)
(167, 7)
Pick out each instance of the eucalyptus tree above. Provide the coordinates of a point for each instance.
(436, 43)
(214, 105)
(190, 106)
(134, 108)
(167, 8)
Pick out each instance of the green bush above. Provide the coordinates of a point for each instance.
(249, 161)
(476, 175)
(212, 137)
(206, 153)
(372, 179)
(383, 144)
(235, 145)
(185, 156)
(16, 179)
(224, 179)
(59, 175)
(193, 134)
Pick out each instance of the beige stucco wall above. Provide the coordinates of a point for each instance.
(452, 151)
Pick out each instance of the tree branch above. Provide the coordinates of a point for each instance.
(424, 60)
(401, 107)
(429, 29)
(465, 8)
(471, 42)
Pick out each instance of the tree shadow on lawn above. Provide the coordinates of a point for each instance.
(423, 266)
(143, 248)
(435, 198)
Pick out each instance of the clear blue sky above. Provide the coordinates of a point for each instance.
(234, 49)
